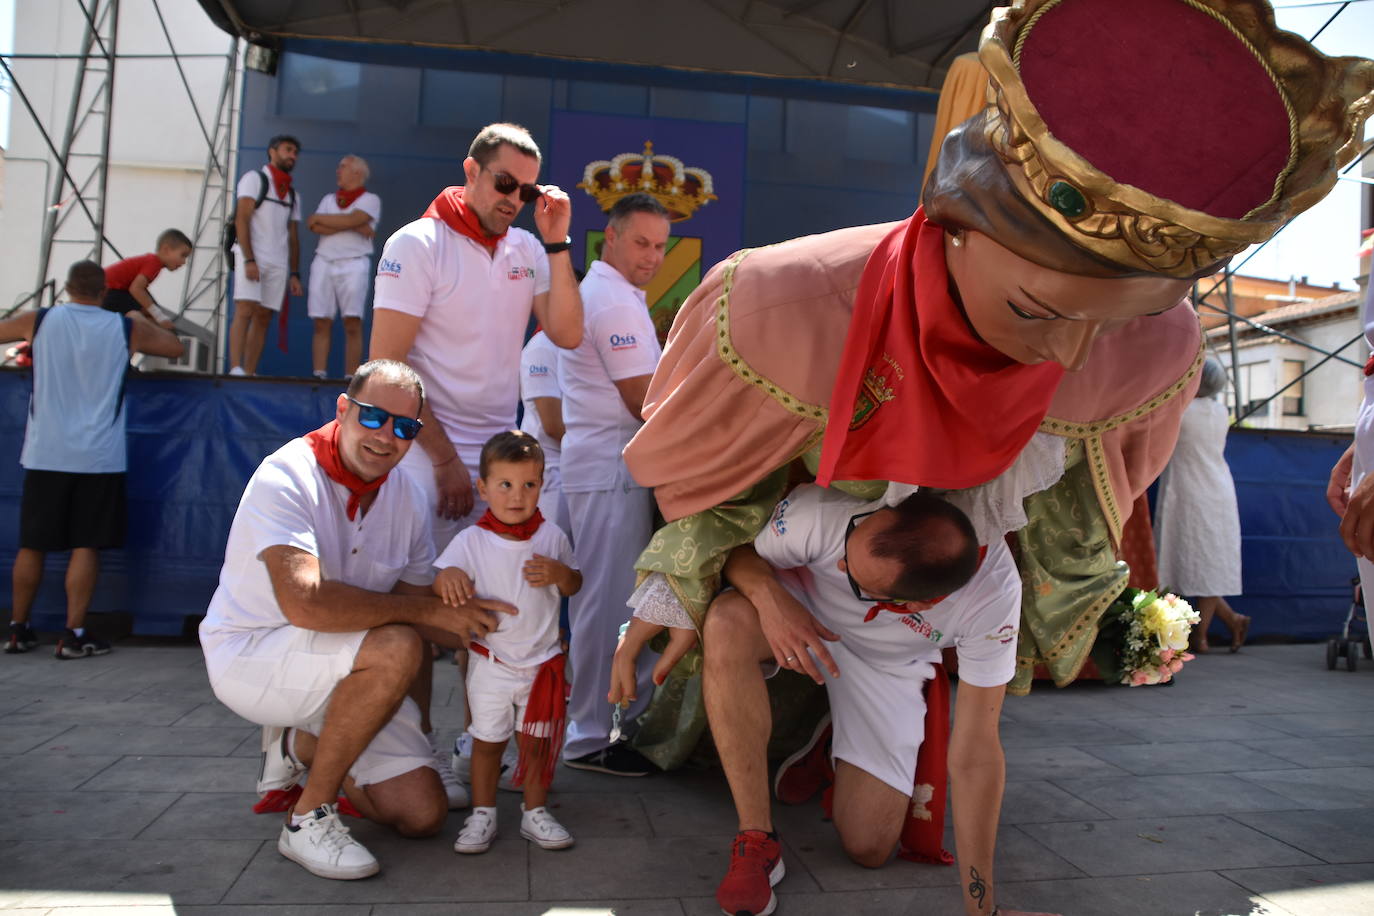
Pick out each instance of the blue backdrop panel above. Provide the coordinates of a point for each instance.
(193, 444)
(1296, 569)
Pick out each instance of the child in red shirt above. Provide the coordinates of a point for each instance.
(126, 283)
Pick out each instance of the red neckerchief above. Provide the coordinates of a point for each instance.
(449, 208)
(345, 199)
(903, 609)
(281, 181)
(521, 531)
(546, 717)
(938, 407)
(324, 442)
(1369, 366)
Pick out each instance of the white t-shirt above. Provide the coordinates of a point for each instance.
(497, 568)
(291, 501)
(618, 342)
(474, 309)
(539, 379)
(805, 536)
(348, 244)
(268, 227)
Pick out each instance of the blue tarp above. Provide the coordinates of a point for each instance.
(195, 441)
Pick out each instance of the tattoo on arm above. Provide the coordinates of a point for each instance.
(977, 888)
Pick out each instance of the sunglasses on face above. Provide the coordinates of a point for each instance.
(505, 184)
(371, 416)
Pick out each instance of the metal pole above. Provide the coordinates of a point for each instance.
(212, 167)
(1231, 330)
(103, 166)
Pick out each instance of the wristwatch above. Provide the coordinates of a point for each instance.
(555, 247)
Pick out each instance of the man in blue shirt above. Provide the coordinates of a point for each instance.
(74, 453)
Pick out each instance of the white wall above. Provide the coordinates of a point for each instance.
(157, 149)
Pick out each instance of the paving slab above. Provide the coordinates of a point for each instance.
(102, 712)
(177, 774)
(1330, 724)
(670, 907)
(1202, 728)
(1040, 802)
(146, 740)
(1328, 788)
(1197, 793)
(1187, 757)
(31, 815)
(1201, 893)
(603, 867)
(1335, 836)
(1312, 890)
(1057, 764)
(57, 771)
(16, 739)
(1324, 751)
(1167, 844)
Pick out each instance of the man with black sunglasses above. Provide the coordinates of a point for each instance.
(316, 630)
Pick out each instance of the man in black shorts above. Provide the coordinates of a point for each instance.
(74, 453)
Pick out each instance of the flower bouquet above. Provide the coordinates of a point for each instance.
(1143, 638)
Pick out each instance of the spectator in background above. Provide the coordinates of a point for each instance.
(1197, 523)
(1350, 491)
(543, 420)
(603, 383)
(453, 297)
(346, 221)
(267, 252)
(74, 455)
(127, 281)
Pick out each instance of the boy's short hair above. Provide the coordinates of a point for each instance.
(513, 446)
(491, 138)
(86, 279)
(174, 237)
(935, 544)
(279, 139)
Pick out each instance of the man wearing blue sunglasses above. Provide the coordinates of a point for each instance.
(315, 630)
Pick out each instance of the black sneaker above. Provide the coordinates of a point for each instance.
(22, 638)
(73, 646)
(616, 760)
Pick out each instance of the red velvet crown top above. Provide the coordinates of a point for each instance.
(1119, 81)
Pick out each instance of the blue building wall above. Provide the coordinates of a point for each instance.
(815, 156)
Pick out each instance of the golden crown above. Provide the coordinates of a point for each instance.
(682, 190)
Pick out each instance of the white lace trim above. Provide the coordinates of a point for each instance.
(655, 603)
(998, 506)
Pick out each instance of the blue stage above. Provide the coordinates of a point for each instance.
(194, 441)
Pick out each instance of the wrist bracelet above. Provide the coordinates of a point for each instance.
(555, 247)
(450, 458)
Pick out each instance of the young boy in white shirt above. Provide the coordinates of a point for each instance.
(515, 681)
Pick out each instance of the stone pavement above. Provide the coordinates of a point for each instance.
(1246, 788)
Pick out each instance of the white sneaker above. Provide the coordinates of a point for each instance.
(319, 374)
(477, 833)
(279, 769)
(453, 788)
(542, 829)
(322, 846)
(237, 370)
(461, 762)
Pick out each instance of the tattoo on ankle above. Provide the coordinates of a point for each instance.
(977, 888)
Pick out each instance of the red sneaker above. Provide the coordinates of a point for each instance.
(755, 866)
(808, 770)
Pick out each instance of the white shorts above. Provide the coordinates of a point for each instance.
(285, 677)
(497, 695)
(879, 714)
(269, 290)
(338, 287)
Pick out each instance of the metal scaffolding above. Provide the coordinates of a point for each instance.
(80, 147)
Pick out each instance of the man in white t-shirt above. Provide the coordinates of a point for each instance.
(346, 221)
(267, 251)
(315, 631)
(868, 594)
(1350, 490)
(604, 381)
(543, 420)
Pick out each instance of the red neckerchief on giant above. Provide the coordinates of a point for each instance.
(281, 181)
(324, 442)
(919, 398)
(345, 199)
(453, 212)
(903, 609)
(521, 531)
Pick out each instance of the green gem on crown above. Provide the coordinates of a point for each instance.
(1067, 199)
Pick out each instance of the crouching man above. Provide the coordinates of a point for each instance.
(315, 630)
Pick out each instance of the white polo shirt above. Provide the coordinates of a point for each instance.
(805, 536)
(349, 244)
(268, 225)
(618, 342)
(539, 379)
(291, 501)
(474, 309)
(497, 568)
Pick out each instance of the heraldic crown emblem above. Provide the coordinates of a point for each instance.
(681, 189)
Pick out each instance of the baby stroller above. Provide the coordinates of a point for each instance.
(1348, 645)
